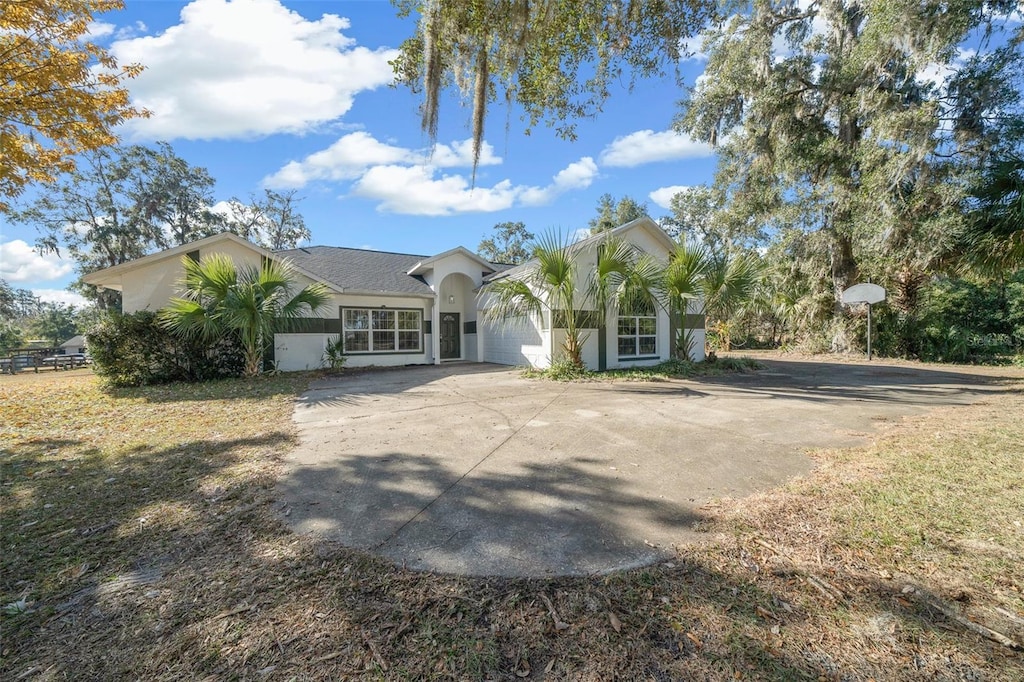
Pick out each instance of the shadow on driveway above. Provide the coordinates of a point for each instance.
(472, 469)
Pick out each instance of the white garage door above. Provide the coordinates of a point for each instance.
(515, 344)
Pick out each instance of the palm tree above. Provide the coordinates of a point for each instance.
(684, 282)
(219, 298)
(721, 283)
(623, 278)
(729, 283)
(993, 239)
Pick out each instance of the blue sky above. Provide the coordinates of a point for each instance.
(294, 95)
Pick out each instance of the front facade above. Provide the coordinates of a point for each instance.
(611, 341)
(401, 309)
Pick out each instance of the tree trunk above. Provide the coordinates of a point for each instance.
(907, 290)
(844, 268)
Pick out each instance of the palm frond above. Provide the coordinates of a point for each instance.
(211, 278)
(512, 300)
(993, 238)
(187, 318)
(219, 298)
(684, 278)
(645, 286)
(309, 302)
(555, 270)
(606, 285)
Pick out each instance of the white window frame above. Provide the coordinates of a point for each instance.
(636, 336)
(370, 330)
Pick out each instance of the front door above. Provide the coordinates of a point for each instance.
(450, 349)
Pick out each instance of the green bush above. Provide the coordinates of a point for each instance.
(964, 321)
(957, 320)
(133, 350)
(334, 353)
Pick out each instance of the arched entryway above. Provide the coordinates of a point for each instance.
(456, 319)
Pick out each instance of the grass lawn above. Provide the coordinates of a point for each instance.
(140, 541)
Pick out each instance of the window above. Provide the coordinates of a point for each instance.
(638, 336)
(371, 330)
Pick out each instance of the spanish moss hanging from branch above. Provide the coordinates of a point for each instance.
(554, 59)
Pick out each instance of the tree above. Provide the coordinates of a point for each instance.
(219, 298)
(120, 204)
(729, 283)
(993, 238)
(60, 95)
(700, 213)
(272, 222)
(507, 245)
(285, 227)
(612, 214)
(177, 197)
(556, 60)
(826, 123)
(55, 323)
(11, 336)
(683, 287)
(693, 213)
(17, 304)
(623, 278)
(719, 284)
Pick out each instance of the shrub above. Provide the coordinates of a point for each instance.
(134, 350)
(957, 320)
(964, 321)
(334, 353)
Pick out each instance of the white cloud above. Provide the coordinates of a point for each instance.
(98, 29)
(581, 234)
(412, 181)
(223, 208)
(663, 195)
(247, 68)
(19, 262)
(647, 146)
(414, 190)
(346, 159)
(355, 153)
(132, 31)
(461, 154)
(61, 296)
(577, 175)
(417, 189)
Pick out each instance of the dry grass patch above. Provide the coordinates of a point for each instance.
(140, 542)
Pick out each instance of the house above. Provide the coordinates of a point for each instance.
(402, 309)
(74, 345)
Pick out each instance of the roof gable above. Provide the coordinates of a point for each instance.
(101, 276)
(645, 223)
(425, 265)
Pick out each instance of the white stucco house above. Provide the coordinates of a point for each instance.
(403, 309)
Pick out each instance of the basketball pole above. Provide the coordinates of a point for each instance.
(869, 332)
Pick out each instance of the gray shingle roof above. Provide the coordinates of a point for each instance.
(359, 269)
(362, 270)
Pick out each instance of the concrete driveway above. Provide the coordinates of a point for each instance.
(472, 469)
